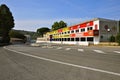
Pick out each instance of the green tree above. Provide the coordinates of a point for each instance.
(16, 34)
(118, 38)
(42, 31)
(58, 25)
(6, 23)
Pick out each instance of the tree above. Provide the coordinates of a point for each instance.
(58, 25)
(6, 23)
(16, 34)
(42, 31)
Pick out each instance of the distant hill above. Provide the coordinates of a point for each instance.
(32, 34)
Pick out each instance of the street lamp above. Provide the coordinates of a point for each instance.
(108, 30)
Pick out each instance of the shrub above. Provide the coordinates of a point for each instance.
(118, 38)
(112, 39)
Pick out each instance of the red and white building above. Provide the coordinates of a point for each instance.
(92, 31)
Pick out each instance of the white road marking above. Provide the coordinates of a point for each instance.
(99, 51)
(117, 52)
(67, 49)
(81, 50)
(65, 63)
(59, 48)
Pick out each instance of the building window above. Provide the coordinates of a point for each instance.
(77, 30)
(53, 39)
(68, 32)
(68, 39)
(65, 39)
(62, 39)
(89, 38)
(83, 30)
(72, 39)
(77, 39)
(59, 39)
(72, 31)
(64, 32)
(83, 39)
(90, 28)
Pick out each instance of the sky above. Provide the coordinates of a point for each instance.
(33, 14)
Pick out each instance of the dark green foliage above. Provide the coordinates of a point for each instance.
(58, 25)
(31, 33)
(15, 34)
(118, 38)
(6, 23)
(42, 31)
(112, 39)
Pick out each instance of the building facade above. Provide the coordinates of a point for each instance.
(92, 31)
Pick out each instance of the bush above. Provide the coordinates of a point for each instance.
(112, 39)
(118, 38)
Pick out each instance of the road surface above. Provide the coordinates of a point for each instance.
(20, 62)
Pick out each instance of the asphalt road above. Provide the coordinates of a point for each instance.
(20, 62)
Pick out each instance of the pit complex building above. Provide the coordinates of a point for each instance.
(88, 32)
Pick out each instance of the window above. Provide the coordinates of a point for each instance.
(65, 32)
(89, 38)
(68, 39)
(53, 39)
(65, 39)
(77, 30)
(57, 39)
(68, 32)
(72, 31)
(83, 39)
(77, 39)
(62, 39)
(72, 39)
(90, 28)
(83, 30)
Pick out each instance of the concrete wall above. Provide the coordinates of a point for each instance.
(106, 33)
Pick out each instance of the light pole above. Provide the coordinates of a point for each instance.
(108, 30)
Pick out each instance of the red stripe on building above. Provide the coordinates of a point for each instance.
(72, 35)
(86, 24)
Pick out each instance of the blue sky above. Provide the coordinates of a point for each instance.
(33, 14)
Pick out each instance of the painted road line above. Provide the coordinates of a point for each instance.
(59, 48)
(81, 50)
(67, 49)
(65, 63)
(99, 51)
(117, 52)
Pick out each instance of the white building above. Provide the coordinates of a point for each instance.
(92, 31)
